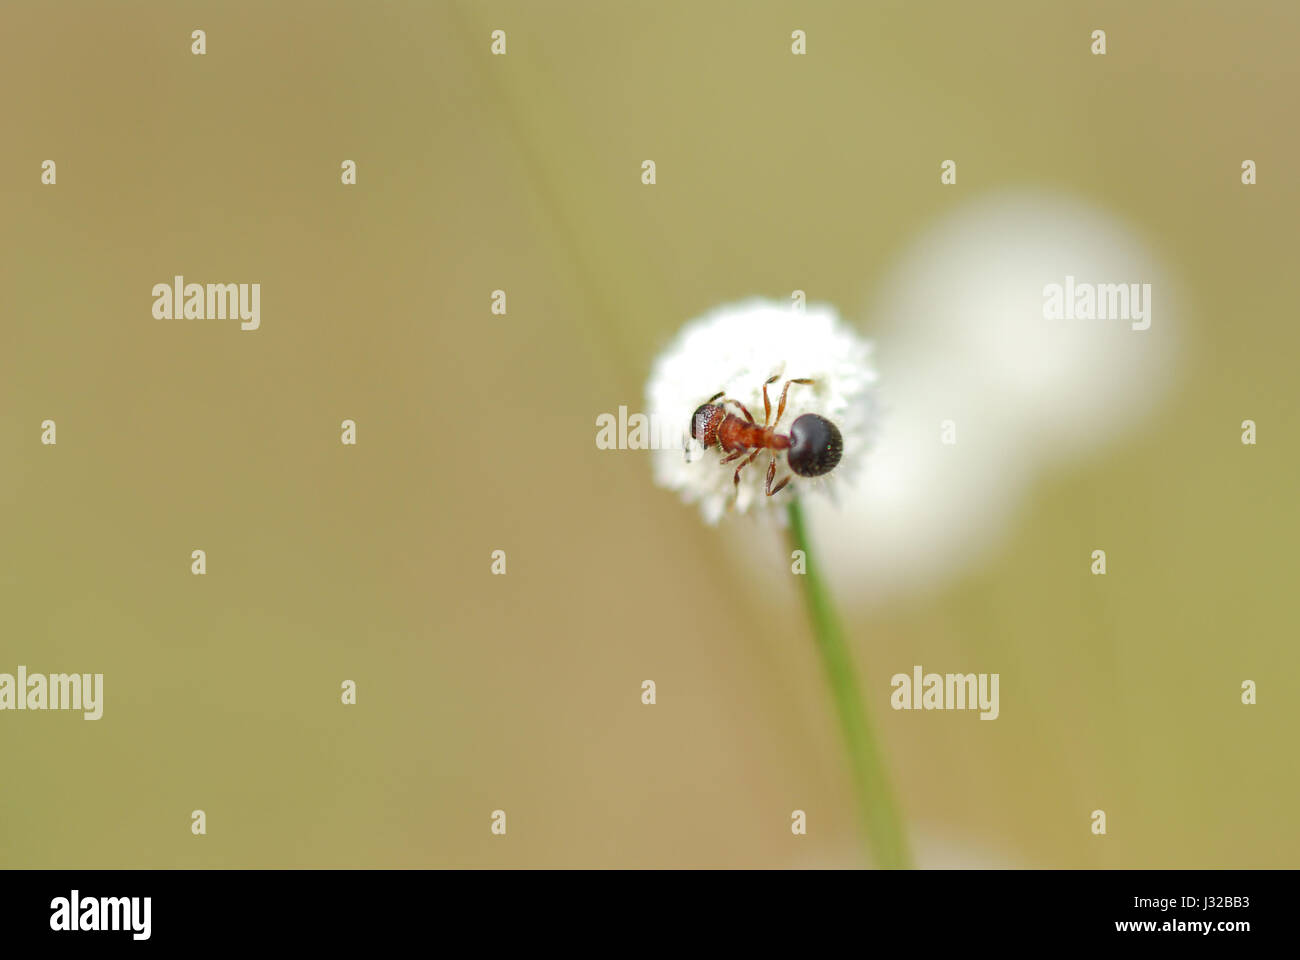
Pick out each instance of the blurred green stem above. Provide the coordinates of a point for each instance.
(875, 801)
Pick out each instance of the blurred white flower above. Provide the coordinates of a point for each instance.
(734, 349)
(962, 337)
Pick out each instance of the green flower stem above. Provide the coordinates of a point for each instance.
(875, 801)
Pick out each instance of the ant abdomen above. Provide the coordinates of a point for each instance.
(815, 446)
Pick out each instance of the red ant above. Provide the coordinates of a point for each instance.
(813, 445)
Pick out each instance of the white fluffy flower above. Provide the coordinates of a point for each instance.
(734, 349)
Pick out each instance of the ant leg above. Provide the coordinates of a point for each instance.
(743, 408)
(748, 461)
(771, 474)
(767, 404)
(780, 410)
(735, 456)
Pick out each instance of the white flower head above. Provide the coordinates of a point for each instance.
(734, 349)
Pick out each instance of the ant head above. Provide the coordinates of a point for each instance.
(815, 446)
(704, 423)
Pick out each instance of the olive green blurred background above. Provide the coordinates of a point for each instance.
(476, 433)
